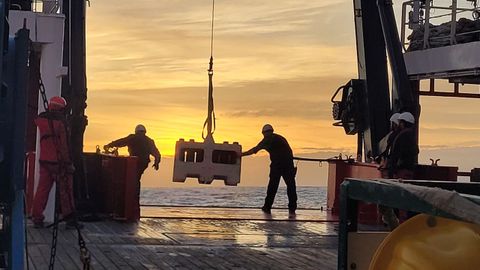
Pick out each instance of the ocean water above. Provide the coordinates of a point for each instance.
(248, 197)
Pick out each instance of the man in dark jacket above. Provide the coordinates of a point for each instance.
(281, 158)
(404, 149)
(385, 145)
(141, 146)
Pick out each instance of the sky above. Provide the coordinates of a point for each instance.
(275, 61)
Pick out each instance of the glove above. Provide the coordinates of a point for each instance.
(155, 166)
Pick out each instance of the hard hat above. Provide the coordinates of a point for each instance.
(407, 117)
(267, 128)
(140, 128)
(57, 103)
(394, 118)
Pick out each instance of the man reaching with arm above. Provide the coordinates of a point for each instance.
(141, 146)
(281, 157)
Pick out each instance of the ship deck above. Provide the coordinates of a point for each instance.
(197, 238)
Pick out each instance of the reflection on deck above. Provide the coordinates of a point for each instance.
(235, 214)
(198, 238)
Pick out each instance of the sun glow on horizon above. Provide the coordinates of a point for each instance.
(276, 62)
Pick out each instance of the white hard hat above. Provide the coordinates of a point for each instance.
(394, 118)
(140, 128)
(266, 128)
(407, 117)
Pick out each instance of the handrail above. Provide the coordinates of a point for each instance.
(47, 6)
(424, 18)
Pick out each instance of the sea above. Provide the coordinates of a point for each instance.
(243, 197)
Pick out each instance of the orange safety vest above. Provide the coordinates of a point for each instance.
(51, 125)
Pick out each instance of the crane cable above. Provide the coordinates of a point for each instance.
(210, 121)
(211, 33)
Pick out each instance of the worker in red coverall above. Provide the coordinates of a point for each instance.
(141, 146)
(55, 164)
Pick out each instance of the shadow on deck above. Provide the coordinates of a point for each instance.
(197, 238)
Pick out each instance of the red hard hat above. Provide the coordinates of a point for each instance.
(57, 103)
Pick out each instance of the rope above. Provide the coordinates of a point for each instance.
(320, 160)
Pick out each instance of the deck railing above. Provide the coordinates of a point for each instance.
(418, 14)
(47, 6)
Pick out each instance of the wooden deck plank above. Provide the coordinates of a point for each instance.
(118, 260)
(292, 255)
(192, 244)
(247, 259)
(191, 257)
(160, 256)
(37, 259)
(326, 258)
(72, 251)
(146, 260)
(103, 261)
(62, 260)
(130, 255)
(278, 259)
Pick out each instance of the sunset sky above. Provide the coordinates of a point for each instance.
(276, 61)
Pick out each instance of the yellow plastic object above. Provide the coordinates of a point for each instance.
(430, 243)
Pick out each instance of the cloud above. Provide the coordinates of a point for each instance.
(167, 45)
(276, 61)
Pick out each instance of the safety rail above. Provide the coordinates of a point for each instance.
(420, 15)
(47, 6)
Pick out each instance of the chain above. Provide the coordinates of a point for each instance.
(53, 250)
(84, 253)
(43, 94)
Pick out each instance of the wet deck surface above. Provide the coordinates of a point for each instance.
(197, 238)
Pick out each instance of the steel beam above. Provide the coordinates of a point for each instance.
(372, 69)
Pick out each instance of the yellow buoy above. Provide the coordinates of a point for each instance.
(430, 243)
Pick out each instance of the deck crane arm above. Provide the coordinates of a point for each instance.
(370, 92)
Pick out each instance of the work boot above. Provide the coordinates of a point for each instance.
(266, 210)
(38, 224)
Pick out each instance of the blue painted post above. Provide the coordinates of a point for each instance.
(2, 31)
(19, 132)
(17, 256)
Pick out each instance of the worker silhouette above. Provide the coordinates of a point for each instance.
(385, 144)
(281, 165)
(404, 149)
(55, 164)
(141, 146)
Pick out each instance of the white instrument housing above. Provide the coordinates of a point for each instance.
(207, 161)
